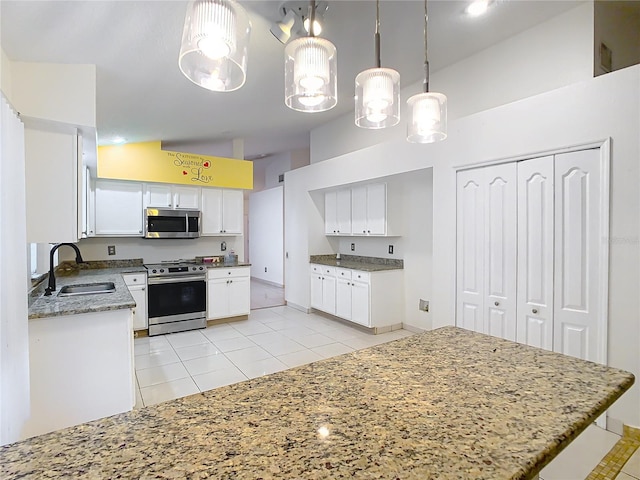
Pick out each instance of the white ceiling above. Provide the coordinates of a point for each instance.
(142, 95)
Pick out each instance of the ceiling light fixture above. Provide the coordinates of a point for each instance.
(377, 91)
(282, 30)
(213, 53)
(310, 72)
(428, 110)
(477, 8)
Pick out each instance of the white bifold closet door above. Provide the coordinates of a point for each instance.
(486, 221)
(578, 274)
(529, 251)
(535, 252)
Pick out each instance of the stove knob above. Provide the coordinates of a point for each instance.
(201, 268)
(162, 270)
(154, 271)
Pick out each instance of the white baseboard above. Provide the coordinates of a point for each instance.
(267, 282)
(298, 307)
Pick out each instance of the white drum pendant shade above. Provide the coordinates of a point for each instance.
(213, 54)
(310, 73)
(427, 118)
(377, 98)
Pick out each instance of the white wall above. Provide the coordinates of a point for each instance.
(153, 250)
(5, 75)
(276, 165)
(550, 55)
(63, 93)
(619, 29)
(587, 112)
(266, 222)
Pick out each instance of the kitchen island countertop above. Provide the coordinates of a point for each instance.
(445, 404)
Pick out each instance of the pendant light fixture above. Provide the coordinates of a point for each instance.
(310, 72)
(428, 110)
(215, 38)
(377, 91)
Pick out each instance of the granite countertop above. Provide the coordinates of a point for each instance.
(228, 265)
(357, 262)
(54, 305)
(445, 404)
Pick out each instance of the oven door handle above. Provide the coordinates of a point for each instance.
(191, 278)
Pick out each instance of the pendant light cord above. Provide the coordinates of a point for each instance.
(312, 18)
(426, 62)
(377, 35)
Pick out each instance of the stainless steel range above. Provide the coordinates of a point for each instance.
(177, 297)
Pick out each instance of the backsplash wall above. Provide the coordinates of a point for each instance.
(154, 250)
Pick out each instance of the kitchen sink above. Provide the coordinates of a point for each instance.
(87, 289)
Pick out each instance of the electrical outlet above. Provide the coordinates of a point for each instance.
(390, 249)
(223, 246)
(265, 269)
(424, 305)
(111, 249)
(353, 247)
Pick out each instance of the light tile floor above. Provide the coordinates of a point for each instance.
(631, 469)
(271, 340)
(265, 295)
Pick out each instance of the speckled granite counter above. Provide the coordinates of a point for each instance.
(356, 262)
(446, 404)
(55, 305)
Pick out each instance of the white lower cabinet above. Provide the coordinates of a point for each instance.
(372, 299)
(323, 288)
(137, 285)
(228, 292)
(81, 369)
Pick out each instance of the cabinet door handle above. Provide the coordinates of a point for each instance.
(368, 231)
(534, 311)
(143, 289)
(139, 231)
(496, 303)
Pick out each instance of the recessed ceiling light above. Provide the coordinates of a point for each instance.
(477, 8)
(119, 140)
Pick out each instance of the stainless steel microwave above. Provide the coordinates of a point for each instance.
(167, 223)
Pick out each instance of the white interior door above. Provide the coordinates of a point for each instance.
(500, 250)
(577, 254)
(470, 250)
(535, 252)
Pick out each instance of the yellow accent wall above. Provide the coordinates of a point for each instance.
(147, 162)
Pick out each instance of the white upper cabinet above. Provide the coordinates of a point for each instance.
(362, 210)
(337, 209)
(222, 212)
(53, 159)
(118, 208)
(369, 209)
(171, 196)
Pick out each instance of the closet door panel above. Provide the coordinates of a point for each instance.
(535, 252)
(470, 250)
(500, 250)
(577, 253)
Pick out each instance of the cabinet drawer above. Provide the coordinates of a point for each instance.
(331, 271)
(135, 278)
(358, 276)
(218, 272)
(343, 273)
(313, 268)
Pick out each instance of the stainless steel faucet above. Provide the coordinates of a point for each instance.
(52, 278)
